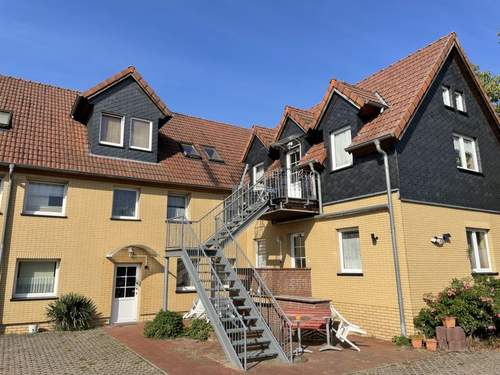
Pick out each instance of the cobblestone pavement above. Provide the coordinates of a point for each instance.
(87, 352)
(477, 363)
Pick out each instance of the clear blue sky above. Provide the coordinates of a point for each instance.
(233, 61)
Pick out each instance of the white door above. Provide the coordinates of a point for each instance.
(125, 293)
(292, 174)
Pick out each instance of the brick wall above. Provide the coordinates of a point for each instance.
(288, 281)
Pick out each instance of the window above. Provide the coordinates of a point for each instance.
(35, 279)
(339, 141)
(111, 132)
(298, 250)
(141, 132)
(190, 151)
(212, 153)
(258, 172)
(466, 152)
(350, 257)
(45, 199)
(5, 118)
(184, 282)
(177, 207)
(125, 281)
(460, 101)
(261, 253)
(125, 204)
(446, 96)
(477, 240)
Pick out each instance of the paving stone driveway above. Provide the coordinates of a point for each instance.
(88, 352)
(477, 363)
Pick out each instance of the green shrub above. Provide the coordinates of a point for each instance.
(165, 325)
(199, 329)
(72, 312)
(401, 341)
(474, 302)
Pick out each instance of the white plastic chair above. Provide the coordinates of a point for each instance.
(197, 311)
(345, 328)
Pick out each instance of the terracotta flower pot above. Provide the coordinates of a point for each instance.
(416, 342)
(449, 321)
(431, 345)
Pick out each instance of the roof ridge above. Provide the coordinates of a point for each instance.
(213, 121)
(40, 83)
(452, 34)
(298, 109)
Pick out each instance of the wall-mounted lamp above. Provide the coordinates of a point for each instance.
(130, 252)
(440, 240)
(374, 238)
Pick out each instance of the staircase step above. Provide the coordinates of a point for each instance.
(251, 331)
(254, 356)
(233, 319)
(251, 342)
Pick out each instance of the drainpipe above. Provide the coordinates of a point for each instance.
(6, 214)
(402, 322)
(166, 261)
(318, 183)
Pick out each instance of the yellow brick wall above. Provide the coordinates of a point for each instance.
(369, 300)
(432, 267)
(82, 240)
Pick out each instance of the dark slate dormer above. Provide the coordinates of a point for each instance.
(126, 99)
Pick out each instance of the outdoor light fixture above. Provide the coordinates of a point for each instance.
(374, 238)
(440, 240)
(130, 252)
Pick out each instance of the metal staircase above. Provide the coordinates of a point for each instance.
(247, 319)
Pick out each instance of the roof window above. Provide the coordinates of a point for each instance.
(212, 153)
(190, 151)
(5, 119)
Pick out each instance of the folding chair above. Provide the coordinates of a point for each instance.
(345, 328)
(197, 311)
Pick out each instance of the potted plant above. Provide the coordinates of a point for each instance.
(449, 321)
(431, 344)
(416, 341)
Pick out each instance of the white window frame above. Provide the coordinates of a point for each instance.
(150, 135)
(137, 195)
(122, 118)
(462, 95)
(447, 90)
(261, 164)
(293, 236)
(333, 134)
(475, 252)
(46, 213)
(186, 203)
(36, 295)
(475, 155)
(341, 252)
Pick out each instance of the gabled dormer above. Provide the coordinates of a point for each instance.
(123, 116)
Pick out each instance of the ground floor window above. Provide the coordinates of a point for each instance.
(36, 278)
(261, 253)
(298, 250)
(184, 282)
(350, 256)
(477, 240)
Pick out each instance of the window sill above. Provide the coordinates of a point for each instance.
(183, 291)
(44, 215)
(349, 273)
(18, 299)
(111, 145)
(450, 107)
(341, 168)
(140, 149)
(485, 273)
(471, 171)
(124, 218)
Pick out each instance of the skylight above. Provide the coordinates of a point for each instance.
(212, 153)
(190, 151)
(5, 118)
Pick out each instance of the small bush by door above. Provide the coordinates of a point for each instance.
(72, 312)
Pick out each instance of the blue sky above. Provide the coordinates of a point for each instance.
(233, 61)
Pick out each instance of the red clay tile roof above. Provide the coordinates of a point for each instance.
(130, 71)
(316, 154)
(403, 85)
(265, 135)
(305, 119)
(44, 136)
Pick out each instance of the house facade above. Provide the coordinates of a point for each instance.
(90, 182)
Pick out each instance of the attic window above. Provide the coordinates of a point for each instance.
(446, 96)
(5, 118)
(212, 153)
(190, 151)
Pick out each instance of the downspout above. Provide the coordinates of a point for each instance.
(6, 215)
(395, 255)
(166, 261)
(318, 183)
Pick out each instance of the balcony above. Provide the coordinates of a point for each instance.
(292, 195)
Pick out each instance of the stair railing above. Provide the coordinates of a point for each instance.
(207, 279)
(263, 298)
